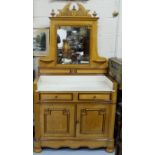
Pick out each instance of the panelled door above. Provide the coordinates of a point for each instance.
(57, 120)
(92, 120)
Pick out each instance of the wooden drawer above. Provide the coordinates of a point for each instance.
(54, 71)
(90, 71)
(94, 96)
(56, 96)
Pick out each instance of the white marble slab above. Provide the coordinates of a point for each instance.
(74, 83)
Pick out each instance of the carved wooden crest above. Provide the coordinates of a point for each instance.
(67, 11)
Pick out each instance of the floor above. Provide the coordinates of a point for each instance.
(73, 152)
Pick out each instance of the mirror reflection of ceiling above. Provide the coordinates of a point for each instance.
(73, 45)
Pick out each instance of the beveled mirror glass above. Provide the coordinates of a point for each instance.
(73, 45)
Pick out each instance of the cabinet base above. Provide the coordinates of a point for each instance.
(77, 143)
(74, 144)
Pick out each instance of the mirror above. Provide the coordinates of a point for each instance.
(73, 45)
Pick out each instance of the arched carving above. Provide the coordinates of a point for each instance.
(68, 11)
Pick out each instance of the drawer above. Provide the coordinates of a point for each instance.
(90, 71)
(54, 71)
(94, 96)
(56, 96)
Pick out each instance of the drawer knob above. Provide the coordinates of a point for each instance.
(94, 97)
(56, 96)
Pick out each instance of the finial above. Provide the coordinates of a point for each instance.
(53, 13)
(94, 14)
(115, 14)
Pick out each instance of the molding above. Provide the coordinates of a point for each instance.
(66, 11)
(74, 144)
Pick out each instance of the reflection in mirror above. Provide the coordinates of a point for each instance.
(73, 45)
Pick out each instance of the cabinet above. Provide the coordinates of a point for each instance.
(74, 100)
(70, 120)
(74, 119)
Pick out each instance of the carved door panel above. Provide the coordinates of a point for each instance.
(92, 120)
(57, 120)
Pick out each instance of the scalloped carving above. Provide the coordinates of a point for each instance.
(81, 11)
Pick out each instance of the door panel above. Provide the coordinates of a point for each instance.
(57, 120)
(92, 120)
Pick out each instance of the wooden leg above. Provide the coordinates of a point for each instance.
(110, 149)
(37, 148)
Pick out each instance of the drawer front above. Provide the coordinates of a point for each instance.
(54, 71)
(91, 71)
(94, 96)
(55, 96)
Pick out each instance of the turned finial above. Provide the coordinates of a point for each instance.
(94, 14)
(53, 13)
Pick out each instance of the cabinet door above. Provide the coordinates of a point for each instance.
(57, 120)
(92, 120)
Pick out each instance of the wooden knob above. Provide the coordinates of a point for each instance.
(94, 97)
(56, 96)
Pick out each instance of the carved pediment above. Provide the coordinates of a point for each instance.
(68, 11)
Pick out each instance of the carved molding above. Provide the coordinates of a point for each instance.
(67, 11)
(74, 144)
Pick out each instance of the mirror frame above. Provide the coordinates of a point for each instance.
(89, 45)
(67, 17)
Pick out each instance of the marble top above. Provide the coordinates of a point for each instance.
(74, 83)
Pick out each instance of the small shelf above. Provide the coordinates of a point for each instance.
(100, 60)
